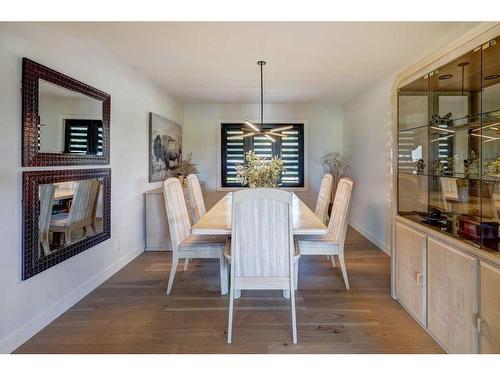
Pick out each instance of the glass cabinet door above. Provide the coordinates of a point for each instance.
(490, 143)
(413, 153)
(449, 148)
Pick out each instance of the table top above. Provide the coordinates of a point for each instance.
(63, 193)
(218, 219)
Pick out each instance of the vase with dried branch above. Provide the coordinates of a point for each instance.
(337, 165)
(259, 171)
(185, 168)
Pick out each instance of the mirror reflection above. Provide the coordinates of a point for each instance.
(69, 212)
(70, 122)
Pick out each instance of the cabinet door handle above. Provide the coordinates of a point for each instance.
(420, 279)
(480, 324)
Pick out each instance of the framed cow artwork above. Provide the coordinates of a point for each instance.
(165, 147)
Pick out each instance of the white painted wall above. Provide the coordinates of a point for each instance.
(367, 143)
(27, 306)
(324, 122)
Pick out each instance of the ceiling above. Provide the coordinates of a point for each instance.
(307, 61)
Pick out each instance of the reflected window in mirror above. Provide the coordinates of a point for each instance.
(70, 122)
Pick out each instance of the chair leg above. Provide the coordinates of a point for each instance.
(332, 258)
(344, 270)
(173, 270)
(230, 317)
(46, 247)
(67, 236)
(294, 320)
(223, 275)
(186, 264)
(89, 231)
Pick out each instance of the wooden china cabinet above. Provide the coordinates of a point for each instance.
(446, 243)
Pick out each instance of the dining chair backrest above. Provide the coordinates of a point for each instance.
(337, 226)
(449, 188)
(46, 202)
(261, 235)
(97, 200)
(323, 200)
(84, 200)
(177, 213)
(196, 197)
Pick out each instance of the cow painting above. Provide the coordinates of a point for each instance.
(165, 148)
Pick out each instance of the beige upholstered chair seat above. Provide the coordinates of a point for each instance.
(227, 251)
(309, 245)
(202, 242)
(59, 220)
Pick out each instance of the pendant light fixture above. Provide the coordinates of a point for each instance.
(256, 129)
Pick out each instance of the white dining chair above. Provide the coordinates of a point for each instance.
(46, 202)
(196, 197)
(81, 212)
(262, 246)
(197, 203)
(323, 200)
(333, 242)
(184, 243)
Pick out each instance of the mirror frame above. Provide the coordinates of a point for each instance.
(31, 263)
(31, 157)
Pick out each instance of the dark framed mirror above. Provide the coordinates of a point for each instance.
(65, 121)
(65, 212)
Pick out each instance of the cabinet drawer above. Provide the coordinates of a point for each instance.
(410, 270)
(489, 325)
(452, 297)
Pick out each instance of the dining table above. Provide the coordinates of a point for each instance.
(217, 220)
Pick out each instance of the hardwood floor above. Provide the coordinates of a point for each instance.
(130, 312)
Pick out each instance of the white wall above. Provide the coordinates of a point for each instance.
(367, 143)
(200, 137)
(27, 306)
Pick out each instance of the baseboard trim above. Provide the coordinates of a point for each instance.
(35, 325)
(380, 244)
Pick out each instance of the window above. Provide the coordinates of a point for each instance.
(83, 137)
(290, 148)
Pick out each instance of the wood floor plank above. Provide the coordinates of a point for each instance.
(130, 312)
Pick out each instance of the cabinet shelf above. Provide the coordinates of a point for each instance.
(473, 122)
(455, 175)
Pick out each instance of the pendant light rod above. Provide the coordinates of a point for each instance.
(261, 64)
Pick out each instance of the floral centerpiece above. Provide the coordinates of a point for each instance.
(259, 171)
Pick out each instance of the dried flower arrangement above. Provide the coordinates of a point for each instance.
(471, 165)
(337, 165)
(259, 171)
(186, 167)
(438, 168)
(492, 168)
